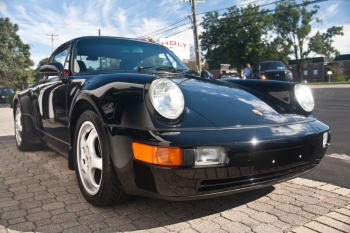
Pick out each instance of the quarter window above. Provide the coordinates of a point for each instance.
(63, 58)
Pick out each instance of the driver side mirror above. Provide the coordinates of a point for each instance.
(206, 74)
(51, 69)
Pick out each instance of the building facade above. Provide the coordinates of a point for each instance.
(316, 70)
(223, 69)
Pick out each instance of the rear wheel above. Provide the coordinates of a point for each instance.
(93, 165)
(21, 138)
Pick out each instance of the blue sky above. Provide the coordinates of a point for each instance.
(134, 18)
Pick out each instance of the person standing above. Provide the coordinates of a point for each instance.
(248, 72)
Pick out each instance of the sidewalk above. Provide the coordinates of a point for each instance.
(38, 193)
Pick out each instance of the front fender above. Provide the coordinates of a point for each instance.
(279, 95)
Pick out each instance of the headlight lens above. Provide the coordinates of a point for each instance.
(289, 74)
(167, 98)
(210, 156)
(304, 97)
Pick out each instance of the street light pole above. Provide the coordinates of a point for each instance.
(195, 35)
(195, 32)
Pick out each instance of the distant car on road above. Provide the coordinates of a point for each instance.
(273, 70)
(4, 93)
(230, 75)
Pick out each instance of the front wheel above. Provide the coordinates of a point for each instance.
(93, 165)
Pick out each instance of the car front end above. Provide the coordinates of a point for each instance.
(233, 143)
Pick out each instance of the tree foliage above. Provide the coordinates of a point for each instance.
(293, 25)
(14, 56)
(240, 36)
(338, 72)
(37, 75)
(250, 35)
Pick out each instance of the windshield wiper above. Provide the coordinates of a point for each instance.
(161, 68)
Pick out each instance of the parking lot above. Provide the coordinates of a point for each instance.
(39, 193)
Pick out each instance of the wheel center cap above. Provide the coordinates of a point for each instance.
(87, 158)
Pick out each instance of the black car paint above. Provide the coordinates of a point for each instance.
(216, 114)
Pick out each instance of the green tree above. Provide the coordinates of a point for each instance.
(293, 26)
(14, 56)
(240, 36)
(37, 75)
(338, 72)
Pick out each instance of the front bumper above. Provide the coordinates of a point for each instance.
(278, 153)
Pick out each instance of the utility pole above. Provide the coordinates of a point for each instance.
(195, 31)
(99, 32)
(52, 38)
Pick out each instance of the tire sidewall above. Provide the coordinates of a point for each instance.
(94, 119)
(19, 145)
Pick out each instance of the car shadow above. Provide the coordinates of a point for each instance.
(39, 193)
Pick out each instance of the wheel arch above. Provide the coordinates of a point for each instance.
(29, 126)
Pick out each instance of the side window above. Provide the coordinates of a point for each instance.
(63, 58)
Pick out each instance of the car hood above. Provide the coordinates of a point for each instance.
(226, 105)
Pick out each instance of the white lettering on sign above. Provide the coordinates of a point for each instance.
(180, 48)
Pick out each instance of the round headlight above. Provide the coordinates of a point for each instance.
(167, 98)
(304, 97)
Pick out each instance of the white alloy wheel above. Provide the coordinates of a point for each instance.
(18, 126)
(89, 158)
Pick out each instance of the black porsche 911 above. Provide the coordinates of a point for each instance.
(134, 120)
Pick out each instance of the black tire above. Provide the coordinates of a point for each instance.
(99, 187)
(20, 135)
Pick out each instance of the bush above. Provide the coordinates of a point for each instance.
(340, 78)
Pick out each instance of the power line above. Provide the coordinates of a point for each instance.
(272, 10)
(229, 7)
(170, 29)
(178, 32)
(176, 22)
(300, 4)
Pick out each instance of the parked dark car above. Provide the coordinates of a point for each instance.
(133, 119)
(5, 93)
(273, 70)
(229, 75)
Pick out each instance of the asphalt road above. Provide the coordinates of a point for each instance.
(333, 108)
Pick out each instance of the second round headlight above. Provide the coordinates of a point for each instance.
(304, 96)
(167, 98)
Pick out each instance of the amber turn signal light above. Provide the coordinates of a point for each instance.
(160, 155)
(263, 77)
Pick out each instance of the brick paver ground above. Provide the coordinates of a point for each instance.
(38, 193)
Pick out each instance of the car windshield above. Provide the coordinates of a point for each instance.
(275, 65)
(231, 75)
(108, 54)
(6, 91)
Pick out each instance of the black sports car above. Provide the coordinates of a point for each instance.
(274, 70)
(133, 119)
